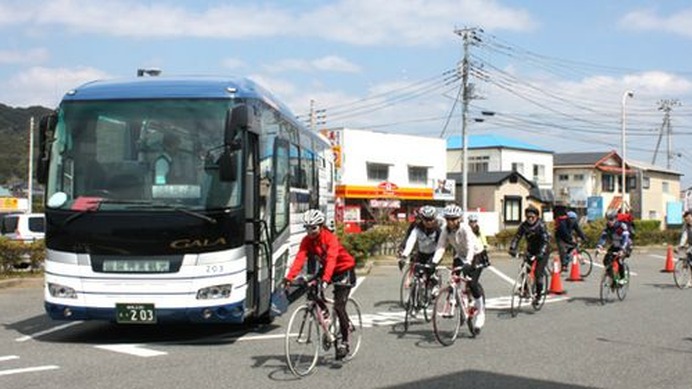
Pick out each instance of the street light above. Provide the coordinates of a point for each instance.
(625, 95)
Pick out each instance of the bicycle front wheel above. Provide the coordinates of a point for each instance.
(411, 304)
(355, 328)
(406, 283)
(519, 293)
(585, 263)
(446, 316)
(623, 288)
(606, 292)
(682, 274)
(302, 342)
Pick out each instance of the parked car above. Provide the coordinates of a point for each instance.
(26, 227)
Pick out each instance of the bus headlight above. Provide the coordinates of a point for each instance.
(215, 292)
(61, 291)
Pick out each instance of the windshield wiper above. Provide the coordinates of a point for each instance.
(138, 204)
(146, 204)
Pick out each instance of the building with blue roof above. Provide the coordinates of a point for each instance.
(496, 153)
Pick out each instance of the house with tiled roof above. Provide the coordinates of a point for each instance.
(596, 178)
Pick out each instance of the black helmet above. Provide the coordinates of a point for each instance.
(531, 209)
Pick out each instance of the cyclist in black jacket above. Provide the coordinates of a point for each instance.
(537, 241)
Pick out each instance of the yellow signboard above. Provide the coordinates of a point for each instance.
(9, 203)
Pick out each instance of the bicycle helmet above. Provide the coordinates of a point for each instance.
(313, 217)
(531, 210)
(611, 215)
(452, 211)
(473, 217)
(427, 212)
(572, 215)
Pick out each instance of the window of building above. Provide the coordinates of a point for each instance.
(631, 183)
(518, 167)
(418, 174)
(512, 209)
(666, 187)
(378, 171)
(608, 183)
(578, 177)
(479, 164)
(563, 177)
(538, 173)
(646, 182)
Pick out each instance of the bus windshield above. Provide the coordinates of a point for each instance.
(121, 155)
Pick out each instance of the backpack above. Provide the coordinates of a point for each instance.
(628, 220)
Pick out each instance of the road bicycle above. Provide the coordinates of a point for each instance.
(453, 307)
(682, 273)
(419, 293)
(583, 258)
(524, 289)
(611, 282)
(312, 328)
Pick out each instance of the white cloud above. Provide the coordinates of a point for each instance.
(31, 56)
(233, 63)
(45, 86)
(679, 23)
(329, 63)
(360, 22)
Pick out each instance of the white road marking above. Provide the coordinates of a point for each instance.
(28, 369)
(48, 331)
(132, 349)
(8, 358)
(502, 275)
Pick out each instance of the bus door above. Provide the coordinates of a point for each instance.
(259, 266)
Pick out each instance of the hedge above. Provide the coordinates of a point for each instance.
(16, 256)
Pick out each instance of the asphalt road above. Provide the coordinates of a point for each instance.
(644, 341)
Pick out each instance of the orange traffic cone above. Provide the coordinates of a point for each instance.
(670, 265)
(556, 280)
(574, 273)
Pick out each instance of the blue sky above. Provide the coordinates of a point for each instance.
(554, 72)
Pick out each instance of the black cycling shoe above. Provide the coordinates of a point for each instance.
(341, 351)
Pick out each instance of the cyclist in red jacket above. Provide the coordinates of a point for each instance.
(337, 267)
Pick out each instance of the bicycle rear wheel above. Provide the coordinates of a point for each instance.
(446, 316)
(585, 263)
(682, 274)
(519, 291)
(623, 288)
(355, 328)
(606, 288)
(302, 342)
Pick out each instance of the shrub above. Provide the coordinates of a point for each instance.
(15, 255)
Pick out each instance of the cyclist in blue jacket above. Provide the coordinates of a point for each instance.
(618, 234)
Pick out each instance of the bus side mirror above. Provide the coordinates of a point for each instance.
(228, 165)
(237, 119)
(46, 129)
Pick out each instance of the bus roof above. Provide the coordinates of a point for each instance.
(193, 87)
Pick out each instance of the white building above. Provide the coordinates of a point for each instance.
(387, 174)
(494, 153)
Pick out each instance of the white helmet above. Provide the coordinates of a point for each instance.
(452, 211)
(313, 217)
(427, 212)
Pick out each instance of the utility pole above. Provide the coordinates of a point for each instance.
(666, 106)
(469, 37)
(30, 185)
(318, 117)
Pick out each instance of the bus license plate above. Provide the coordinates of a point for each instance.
(135, 313)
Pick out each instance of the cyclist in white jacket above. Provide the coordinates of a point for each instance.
(467, 252)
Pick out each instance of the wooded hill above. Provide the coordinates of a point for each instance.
(14, 142)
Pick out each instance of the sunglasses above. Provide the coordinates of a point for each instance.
(311, 228)
(428, 220)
